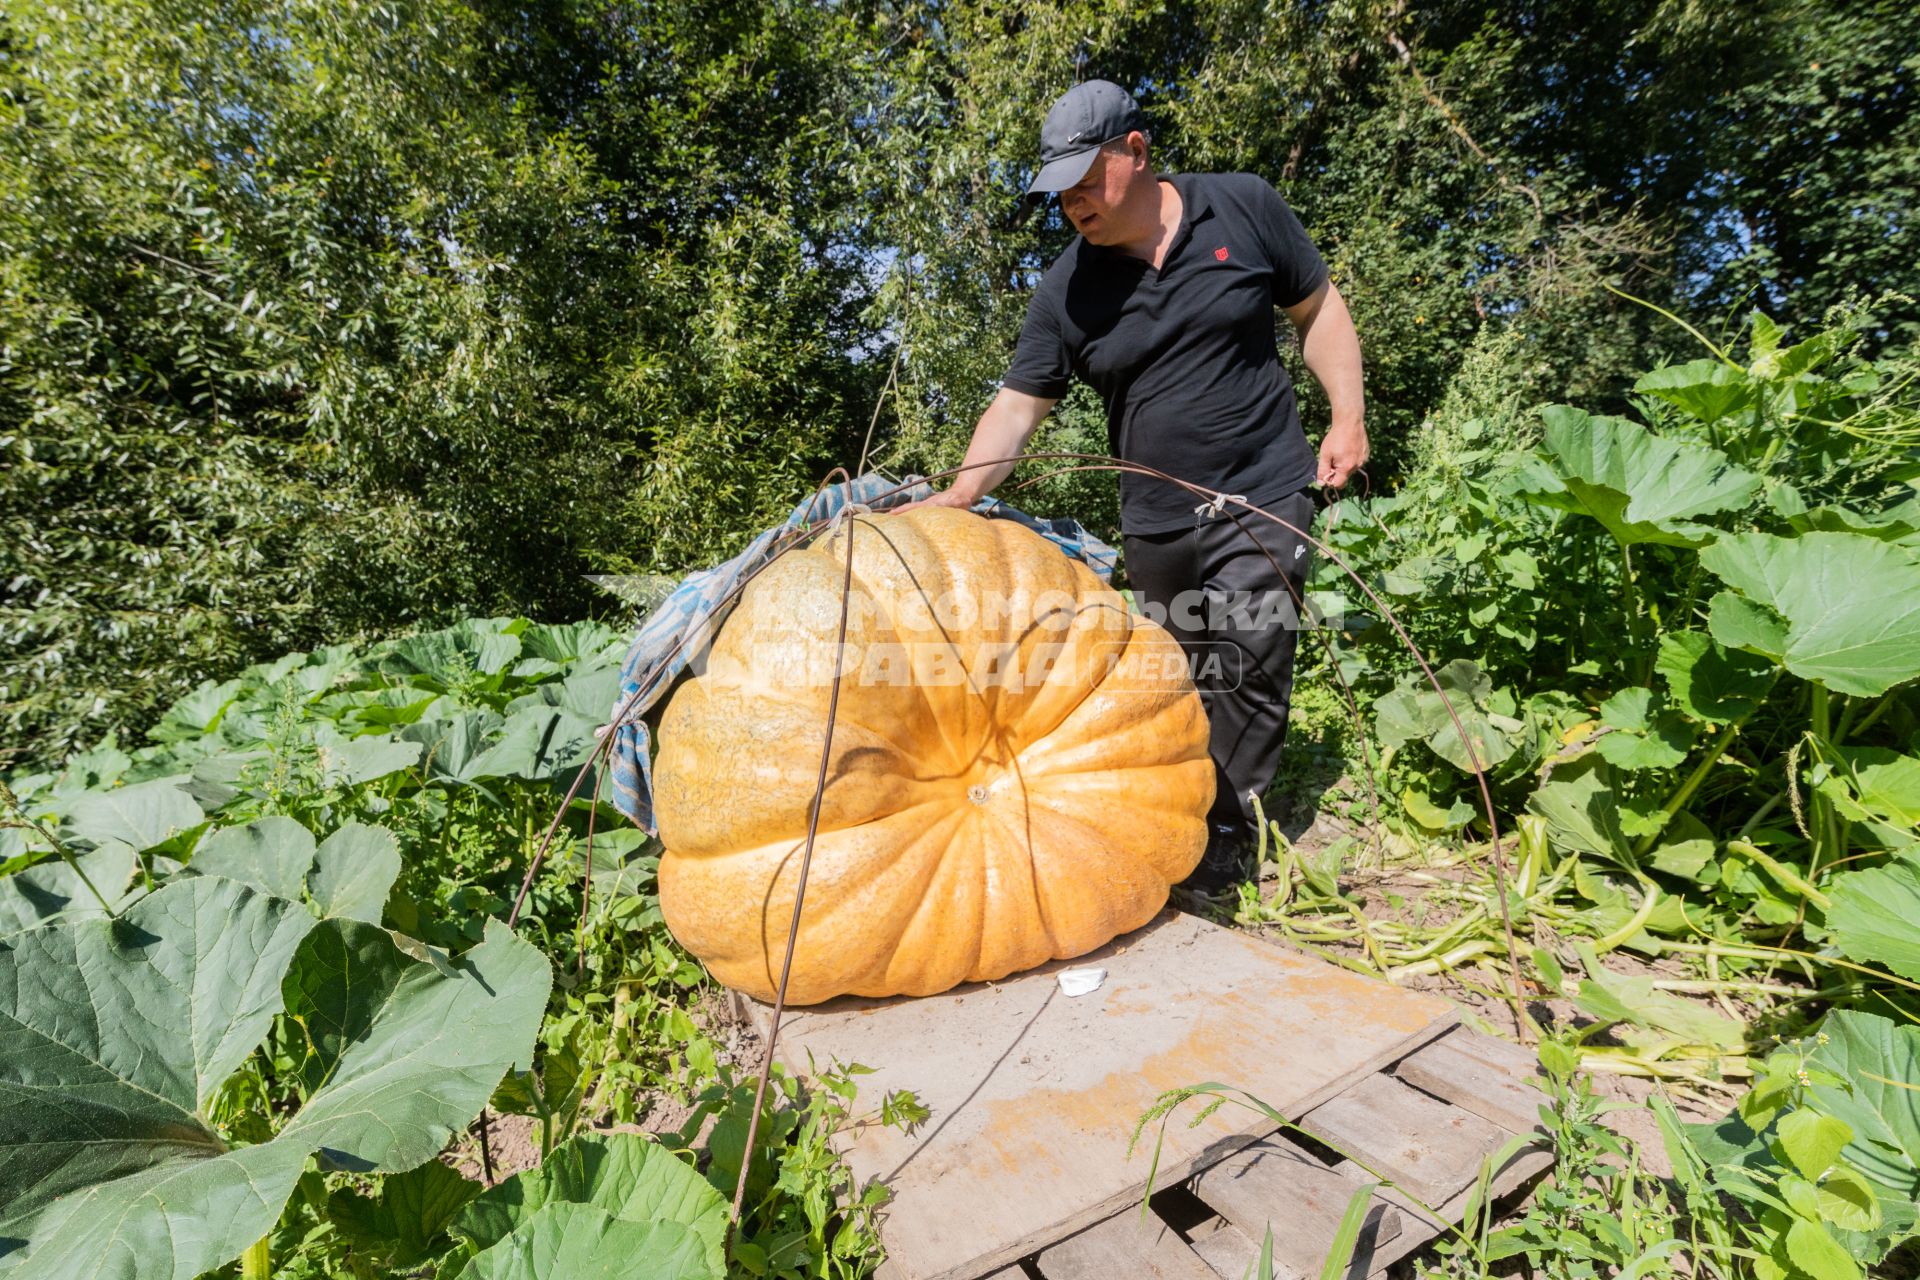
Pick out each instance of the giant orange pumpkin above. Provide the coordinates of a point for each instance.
(1019, 768)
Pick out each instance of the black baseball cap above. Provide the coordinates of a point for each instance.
(1083, 119)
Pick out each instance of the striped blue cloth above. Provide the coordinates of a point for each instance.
(694, 612)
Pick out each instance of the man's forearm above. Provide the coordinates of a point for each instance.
(998, 438)
(1331, 348)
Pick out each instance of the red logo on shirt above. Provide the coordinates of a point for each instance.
(1221, 253)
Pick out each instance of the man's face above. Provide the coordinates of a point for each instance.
(1097, 205)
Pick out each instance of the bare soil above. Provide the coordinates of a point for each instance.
(513, 1142)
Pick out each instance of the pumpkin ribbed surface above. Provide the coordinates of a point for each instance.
(1019, 769)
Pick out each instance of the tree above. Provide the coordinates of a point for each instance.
(325, 320)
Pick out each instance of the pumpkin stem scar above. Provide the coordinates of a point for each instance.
(977, 793)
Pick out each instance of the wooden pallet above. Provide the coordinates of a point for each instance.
(1426, 1123)
(1024, 1167)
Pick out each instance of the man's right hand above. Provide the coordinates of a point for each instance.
(949, 497)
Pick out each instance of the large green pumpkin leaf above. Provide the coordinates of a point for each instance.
(405, 1051)
(321, 670)
(353, 871)
(348, 762)
(1582, 812)
(1850, 605)
(1642, 487)
(140, 816)
(623, 1174)
(1875, 916)
(1642, 737)
(1899, 522)
(197, 714)
(581, 1242)
(179, 1218)
(1740, 624)
(591, 695)
(217, 780)
(537, 742)
(1629, 710)
(1707, 389)
(1416, 711)
(1880, 1061)
(408, 1218)
(1664, 745)
(472, 646)
(53, 889)
(1710, 682)
(271, 854)
(568, 642)
(1685, 849)
(390, 707)
(115, 1034)
(454, 746)
(348, 875)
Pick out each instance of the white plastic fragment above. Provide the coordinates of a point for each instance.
(1078, 982)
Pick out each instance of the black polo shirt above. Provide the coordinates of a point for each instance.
(1184, 357)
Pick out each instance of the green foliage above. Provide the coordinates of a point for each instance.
(347, 877)
(1813, 1191)
(803, 1215)
(1800, 603)
(619, 1193)
(1459, 698)
(1869, 1065)
(1642, 487)
(321, 321)
(57, 889)
(570, 1239)
(1598, 1214)
(1871, 914)
(350, 827)
(395, 1053)
(1782, 1187)
(1823, 599)
(1694, 703)
(406, 1221)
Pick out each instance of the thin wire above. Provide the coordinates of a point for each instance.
(893, 374)
(880, 403)
(800, 884)
(586, 880)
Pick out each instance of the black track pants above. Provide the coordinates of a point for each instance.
(1237, 617)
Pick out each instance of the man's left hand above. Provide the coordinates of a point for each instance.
(1342, 452)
